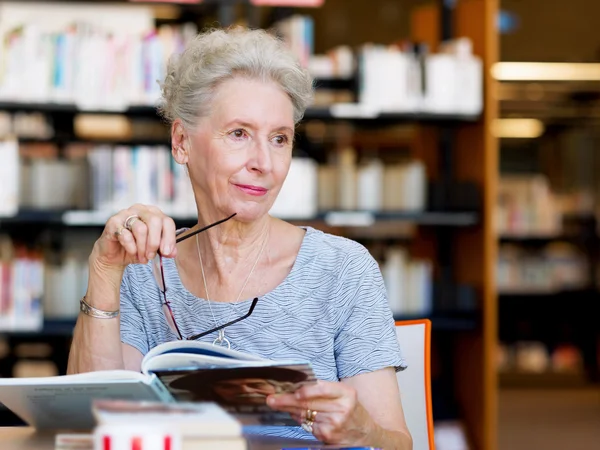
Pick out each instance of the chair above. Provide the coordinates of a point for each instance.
(415, 382)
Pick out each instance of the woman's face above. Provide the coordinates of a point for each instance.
(241, 153)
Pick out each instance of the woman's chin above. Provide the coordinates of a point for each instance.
(249, 213)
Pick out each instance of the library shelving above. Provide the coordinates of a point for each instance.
(331, 218)
(460, 155)
(330, 113)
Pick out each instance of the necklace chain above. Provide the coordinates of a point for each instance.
(221, 338)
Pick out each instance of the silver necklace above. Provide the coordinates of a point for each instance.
(221, 339)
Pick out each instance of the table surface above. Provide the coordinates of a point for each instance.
(26, 438)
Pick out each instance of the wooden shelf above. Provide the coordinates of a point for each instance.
(546, 293)
(113, 142)
(334, 112)
(542, 380)
(450, 322)
(537, 239)
(341, 219)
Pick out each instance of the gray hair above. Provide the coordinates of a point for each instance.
(215, 56)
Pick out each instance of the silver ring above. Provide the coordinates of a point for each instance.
(128, 224)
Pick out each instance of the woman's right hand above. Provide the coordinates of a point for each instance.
(119, 247)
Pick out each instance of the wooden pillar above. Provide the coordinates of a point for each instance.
(475, 160)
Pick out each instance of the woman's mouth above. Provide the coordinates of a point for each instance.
(252, 190)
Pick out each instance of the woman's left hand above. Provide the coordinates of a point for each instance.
(339, 419)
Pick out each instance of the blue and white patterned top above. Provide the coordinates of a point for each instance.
(331, 310)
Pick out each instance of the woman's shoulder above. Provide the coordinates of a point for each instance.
(334, 244)
(339, 251)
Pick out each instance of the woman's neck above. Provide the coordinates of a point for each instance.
(229, 250)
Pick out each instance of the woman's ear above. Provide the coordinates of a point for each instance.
(180, 142)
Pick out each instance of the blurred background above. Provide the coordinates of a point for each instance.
(456, 139)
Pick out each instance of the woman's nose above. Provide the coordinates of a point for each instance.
(260, 159)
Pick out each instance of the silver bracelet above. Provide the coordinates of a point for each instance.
(96, 313)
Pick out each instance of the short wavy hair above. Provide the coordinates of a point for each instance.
(217, 55)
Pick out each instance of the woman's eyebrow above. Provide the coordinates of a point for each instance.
(246, 124)
(284, 128)
(240, 122)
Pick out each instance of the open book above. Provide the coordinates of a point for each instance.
(174, 371)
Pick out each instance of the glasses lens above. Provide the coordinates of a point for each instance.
(170, 319)
(157, 272)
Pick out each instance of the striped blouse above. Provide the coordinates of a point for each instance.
(331, 310)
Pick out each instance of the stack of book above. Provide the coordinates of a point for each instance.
(21, 287)
(408, 282)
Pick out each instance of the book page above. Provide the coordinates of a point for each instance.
(55, 405)
(241, 391)
(87, 377)
(170, 361)
(199, 350)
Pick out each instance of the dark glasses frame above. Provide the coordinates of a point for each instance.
(167, 303)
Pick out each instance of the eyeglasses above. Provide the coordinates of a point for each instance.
(159, 276)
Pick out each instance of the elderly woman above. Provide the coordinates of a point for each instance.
(233, 99)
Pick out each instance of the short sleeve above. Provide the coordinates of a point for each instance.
(367, 339)
(133, 330)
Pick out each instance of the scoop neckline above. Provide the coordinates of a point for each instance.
(180, 288)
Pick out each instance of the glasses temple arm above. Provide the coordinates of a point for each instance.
(220, 327)
(179, 239)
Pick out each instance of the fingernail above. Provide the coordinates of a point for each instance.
(151, 255)
(167, 250)
(270, 400)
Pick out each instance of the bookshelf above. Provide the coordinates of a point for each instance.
(455, 232)
(547, 269)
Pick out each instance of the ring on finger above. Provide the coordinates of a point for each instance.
(128, 224)
(309, 421)
(307, 426)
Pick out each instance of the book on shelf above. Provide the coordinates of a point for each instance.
(173, 372)
(9, 174)
(21, 286)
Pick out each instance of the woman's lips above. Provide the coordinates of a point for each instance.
(252, 190)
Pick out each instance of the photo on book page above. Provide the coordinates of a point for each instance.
(241, 391)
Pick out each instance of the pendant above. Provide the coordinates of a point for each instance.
(222, 340)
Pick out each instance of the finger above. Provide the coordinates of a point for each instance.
(288, 403)
(280, 401)
(127, 241)
(321, 390)
(154, 226)
(292, 410)
(140, 234)
(168, 246)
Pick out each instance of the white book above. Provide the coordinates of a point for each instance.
(9, 174)
(205, 420)
(179, 371)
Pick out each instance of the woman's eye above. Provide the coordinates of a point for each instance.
(281, 139)
(238, 134)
